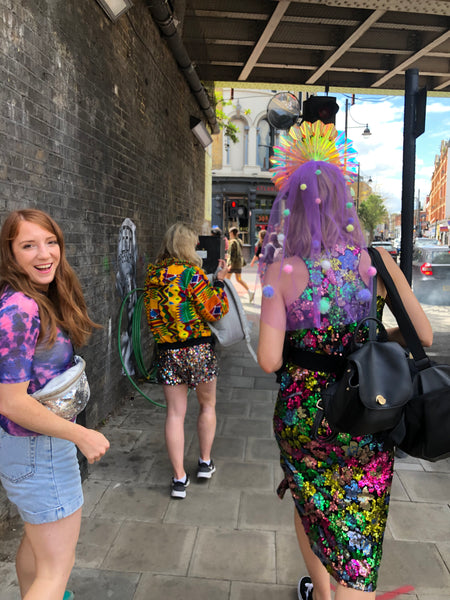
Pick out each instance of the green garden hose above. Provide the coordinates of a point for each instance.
(136, 344)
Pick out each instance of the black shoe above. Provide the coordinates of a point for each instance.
(179, 488)
(305, 589)
(205, 470)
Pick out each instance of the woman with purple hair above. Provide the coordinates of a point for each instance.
(313, 298)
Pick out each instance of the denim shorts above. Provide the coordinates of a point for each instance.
(41, 476)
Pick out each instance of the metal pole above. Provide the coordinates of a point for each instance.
(419, 222)
(346, 119)
(357, 189)
(409, 172)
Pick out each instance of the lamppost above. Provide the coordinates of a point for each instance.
(369, 180)
(365, 133)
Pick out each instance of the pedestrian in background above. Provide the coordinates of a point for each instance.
(217, 232)
(179, 302)
(272, 250)
(312, 301)
(258, 246)
(235, 261)
(42, 313)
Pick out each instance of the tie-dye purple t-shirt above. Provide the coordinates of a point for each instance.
(22, 358)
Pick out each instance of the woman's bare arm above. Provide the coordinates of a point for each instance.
(23, 409)
(412, 305)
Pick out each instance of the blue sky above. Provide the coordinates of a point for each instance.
(381, 154)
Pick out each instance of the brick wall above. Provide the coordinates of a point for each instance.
(94, 128)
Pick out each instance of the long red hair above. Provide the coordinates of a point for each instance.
(64, 304)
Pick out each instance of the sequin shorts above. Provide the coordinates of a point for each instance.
(190, 365)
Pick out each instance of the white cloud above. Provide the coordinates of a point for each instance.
(437, 107)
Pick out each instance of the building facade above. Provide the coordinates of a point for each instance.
(438, 202)
(242, 191)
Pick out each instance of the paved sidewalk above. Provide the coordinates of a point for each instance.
(231, 538)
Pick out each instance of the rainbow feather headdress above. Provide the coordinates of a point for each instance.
(312, 141)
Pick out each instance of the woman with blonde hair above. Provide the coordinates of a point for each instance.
(42, 312)
(179, 302)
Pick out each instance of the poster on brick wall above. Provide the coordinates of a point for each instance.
(125, 284)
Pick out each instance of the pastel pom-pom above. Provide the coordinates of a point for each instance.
(349, 205)
(318, 200)
(324, 305)
(350, 228)
(371, 271)
(286, 212)
(303, 186)
(268, 291)
(287, 268)
(364, 295)
(326, 265)
(316, 244)
(351, 220)
(318, 172)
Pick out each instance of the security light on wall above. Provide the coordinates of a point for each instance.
(115, 8)
(201, 133)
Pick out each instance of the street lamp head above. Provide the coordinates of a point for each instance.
(366, 132)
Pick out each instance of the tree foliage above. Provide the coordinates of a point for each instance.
(371, 213)
(225, 123)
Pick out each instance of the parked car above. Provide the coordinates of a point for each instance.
(424, 241)
(431, 274)
(387, 246)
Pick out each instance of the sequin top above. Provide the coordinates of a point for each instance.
(335, 289)
(179, 300)
(22, 357)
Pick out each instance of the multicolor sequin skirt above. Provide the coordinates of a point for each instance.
(189, 365)
(341, 489)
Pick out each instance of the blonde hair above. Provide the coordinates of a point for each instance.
(179, 242)
(64, 304)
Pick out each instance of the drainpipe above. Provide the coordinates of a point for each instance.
(163, 18)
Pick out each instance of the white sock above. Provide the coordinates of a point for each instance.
(207, 462)
(181, 480)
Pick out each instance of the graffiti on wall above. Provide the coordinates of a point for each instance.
(126, 283)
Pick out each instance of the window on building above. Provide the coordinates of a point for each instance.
(263, 145)
(236, 152)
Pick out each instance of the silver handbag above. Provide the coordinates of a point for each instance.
(67, 394)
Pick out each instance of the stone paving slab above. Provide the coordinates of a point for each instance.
(262, 449)
(240, 475)
(247, 427)
(255, 591)
(426, 487)
(207, 508)
(132, 502)
(264, 512)
(234, 555)
(416, 563)
(151, 547)
(181, 588)
(96, 584)
(431, 521)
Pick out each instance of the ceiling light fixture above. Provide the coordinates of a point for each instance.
(115, 8)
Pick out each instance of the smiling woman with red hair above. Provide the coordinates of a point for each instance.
(42, 311)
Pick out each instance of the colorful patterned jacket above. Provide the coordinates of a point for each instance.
(179, 300)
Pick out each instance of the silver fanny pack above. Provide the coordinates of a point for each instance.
(68, 393)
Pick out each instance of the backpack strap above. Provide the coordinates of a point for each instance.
(398, 309)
